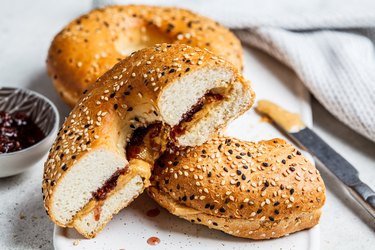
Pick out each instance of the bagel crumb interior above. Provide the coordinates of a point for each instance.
(201, 108)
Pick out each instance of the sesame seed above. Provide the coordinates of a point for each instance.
(180, 36)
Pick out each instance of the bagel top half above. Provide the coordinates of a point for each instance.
(256, 190)
(124, 121)
(90, 45)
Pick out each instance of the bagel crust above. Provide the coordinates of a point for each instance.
(252, 190)
(91, 44)
(91, 174)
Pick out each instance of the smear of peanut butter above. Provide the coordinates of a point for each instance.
(290, 122)
(265, 118)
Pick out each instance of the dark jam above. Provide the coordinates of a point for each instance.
(188, 116)
(109, 185)
(153, 241)
(146, 143)
(97, 211)
(17, 131)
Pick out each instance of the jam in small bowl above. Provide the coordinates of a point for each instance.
(28, 126)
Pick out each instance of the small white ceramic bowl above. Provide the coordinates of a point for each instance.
(43, 113)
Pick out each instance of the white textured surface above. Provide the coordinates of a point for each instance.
(26, 29)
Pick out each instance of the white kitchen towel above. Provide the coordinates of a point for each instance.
(328, 43)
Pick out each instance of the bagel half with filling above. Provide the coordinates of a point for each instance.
(252, 190)
(103, 155)
(91, 44)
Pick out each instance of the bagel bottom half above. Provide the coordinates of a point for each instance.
(252, 190)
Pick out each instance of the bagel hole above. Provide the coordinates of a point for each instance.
(139, 36)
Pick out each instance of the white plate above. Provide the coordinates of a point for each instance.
(131, 228)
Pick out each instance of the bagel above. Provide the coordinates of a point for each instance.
(252, 190)
(106, 148)
(91, 44)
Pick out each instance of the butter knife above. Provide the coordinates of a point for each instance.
(305, 138)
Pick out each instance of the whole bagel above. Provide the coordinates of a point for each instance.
(252, 190)
(90, 45)
(105, 150)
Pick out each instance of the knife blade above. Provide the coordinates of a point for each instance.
(308, 140)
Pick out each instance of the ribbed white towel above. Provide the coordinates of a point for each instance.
(328, 43)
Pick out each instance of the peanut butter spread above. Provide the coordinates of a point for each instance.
(290, 122)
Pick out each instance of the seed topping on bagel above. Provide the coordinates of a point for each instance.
(109, 34)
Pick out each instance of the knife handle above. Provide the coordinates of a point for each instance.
(365, 196)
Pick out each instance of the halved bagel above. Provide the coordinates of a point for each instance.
(252, 190)
(90, 45)
(104, 153)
